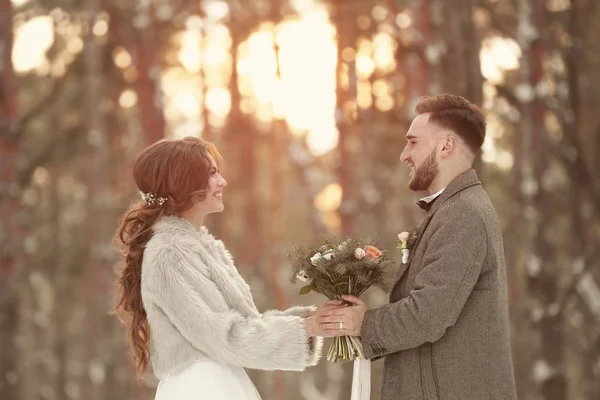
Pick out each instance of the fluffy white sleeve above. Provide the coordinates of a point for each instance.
(180, 286)
(299, 311)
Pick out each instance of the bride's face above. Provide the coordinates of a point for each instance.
(213, 202)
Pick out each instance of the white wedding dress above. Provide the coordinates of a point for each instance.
(208, 380)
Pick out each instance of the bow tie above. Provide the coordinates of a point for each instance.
(425, 206)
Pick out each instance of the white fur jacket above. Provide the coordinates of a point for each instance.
(200, 308)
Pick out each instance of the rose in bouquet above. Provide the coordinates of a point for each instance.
(335, 269)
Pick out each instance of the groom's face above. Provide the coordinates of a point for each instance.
(420, 154)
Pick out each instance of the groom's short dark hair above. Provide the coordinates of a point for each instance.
(458, 114)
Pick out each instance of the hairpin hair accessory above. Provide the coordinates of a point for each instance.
(152, 199)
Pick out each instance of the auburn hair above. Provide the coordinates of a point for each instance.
(175, 169)
(457, 114)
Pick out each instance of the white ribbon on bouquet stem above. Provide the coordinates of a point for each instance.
(361, 380)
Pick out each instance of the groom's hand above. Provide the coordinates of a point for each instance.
(344, 321)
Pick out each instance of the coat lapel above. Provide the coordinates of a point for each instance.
(419, 234)
(460, 183)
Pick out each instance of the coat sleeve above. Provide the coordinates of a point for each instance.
(452, 264)
(269, 342)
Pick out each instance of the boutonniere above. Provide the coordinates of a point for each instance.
(406, 242)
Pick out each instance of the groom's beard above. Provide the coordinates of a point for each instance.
(424, 174)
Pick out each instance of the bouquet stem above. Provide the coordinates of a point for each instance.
(345, 348)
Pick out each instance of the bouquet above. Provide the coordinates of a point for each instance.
(336, 269)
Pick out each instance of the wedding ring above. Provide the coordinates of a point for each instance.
(341, 325)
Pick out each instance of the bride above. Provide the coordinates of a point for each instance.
(187, 310)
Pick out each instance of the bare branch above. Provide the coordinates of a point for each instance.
(30, 9)
(570, 151)
(14, 133)
(305, 163)
(495, 22)
(507, 93)
(403, 50)
(43, 156)
(571, 289)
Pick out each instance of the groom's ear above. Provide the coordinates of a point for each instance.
(448, 146)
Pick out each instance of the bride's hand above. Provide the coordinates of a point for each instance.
(313, 329)
(312, 326)
(328, 305)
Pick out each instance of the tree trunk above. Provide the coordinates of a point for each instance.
(276, 223)
(417, 68)
(344, 20)
(460, 68)
(276, 215)
(459, 65)
(545, 287)
(9, 208)
(544, 273)
(207, 129)
(583, 222)
(97, 230)
(147, 86)
(241, 130)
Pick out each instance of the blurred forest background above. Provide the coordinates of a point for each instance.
(309, 102)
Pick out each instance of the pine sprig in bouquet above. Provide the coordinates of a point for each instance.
(336, 269)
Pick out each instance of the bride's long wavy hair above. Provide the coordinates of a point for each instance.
(177, 170)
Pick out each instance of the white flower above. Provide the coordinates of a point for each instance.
(360, 253)
(302, 276)
(343, 246)
(316, 259)
(328, 255)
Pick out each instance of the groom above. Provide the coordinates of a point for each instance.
(445, 333)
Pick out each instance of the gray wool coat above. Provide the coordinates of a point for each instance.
(200, 308)
(445, 333)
